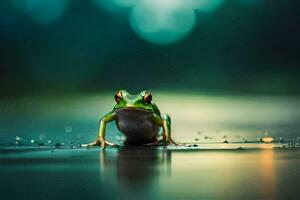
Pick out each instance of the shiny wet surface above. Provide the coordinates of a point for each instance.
(149, 173)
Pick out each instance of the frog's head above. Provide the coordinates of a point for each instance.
(141, 101)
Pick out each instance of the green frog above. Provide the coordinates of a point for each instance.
(138, 118)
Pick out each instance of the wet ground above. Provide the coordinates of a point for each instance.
(224, 158)
(147, 173)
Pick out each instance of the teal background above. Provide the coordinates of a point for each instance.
(78, 46)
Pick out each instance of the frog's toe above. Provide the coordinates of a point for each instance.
(92, 144)
(151, 144)
(175, 143)
(109, 144)
(102, 144)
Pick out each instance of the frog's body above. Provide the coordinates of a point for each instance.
(137, 126)
(137, 118)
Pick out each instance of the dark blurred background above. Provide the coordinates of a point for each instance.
(226, 46)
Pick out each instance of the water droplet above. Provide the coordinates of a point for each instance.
(18, 140)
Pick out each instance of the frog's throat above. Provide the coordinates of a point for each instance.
(133, 108)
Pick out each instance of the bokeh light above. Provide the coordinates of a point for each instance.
(42, 12)
(205, 5)
(162, 22)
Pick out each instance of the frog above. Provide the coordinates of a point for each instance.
(138, 118)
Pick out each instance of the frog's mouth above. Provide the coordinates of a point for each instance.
(133, 109)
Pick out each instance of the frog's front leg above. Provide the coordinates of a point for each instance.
(167, 130)
(100, 141)
(165, 122)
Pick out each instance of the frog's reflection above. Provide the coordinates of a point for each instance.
(134, 168)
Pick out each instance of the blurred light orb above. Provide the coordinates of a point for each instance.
(162, 21)
(205, 5)
(42, 11)
(267, 139)
(115, 5)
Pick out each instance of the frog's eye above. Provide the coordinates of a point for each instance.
(118, 96)
(147, 97)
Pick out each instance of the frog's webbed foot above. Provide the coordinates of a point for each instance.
(171, 141)
(100, 142)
